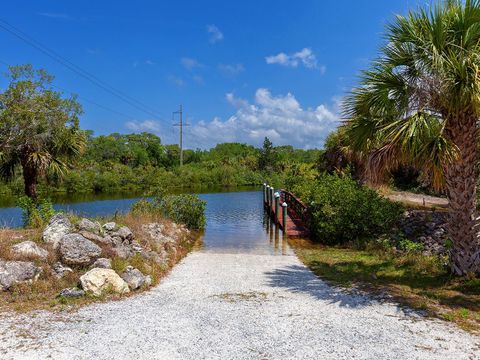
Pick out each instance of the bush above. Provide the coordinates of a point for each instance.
(343, 211)
(409, 246)
(184, 209)
(35, 214)
(142, 206)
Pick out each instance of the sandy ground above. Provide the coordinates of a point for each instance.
(236, 306)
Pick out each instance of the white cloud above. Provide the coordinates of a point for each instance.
(304, 57)
(280, 118)
(149, 62)
(215, 34)
(146, 125)
(231, 69)
(189, 63)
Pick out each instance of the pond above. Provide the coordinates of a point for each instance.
(236, 221)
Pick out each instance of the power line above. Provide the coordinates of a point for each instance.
(128, 117)
(77, 69)
(181, 125)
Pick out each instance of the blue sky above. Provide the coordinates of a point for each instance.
(242, 70)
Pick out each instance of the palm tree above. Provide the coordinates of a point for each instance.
(419, 104)
(39, 130)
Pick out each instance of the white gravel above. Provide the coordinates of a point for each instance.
(236, 306)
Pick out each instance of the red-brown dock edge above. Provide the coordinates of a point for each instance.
(297, 214)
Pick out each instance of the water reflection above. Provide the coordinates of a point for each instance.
(237, 223)
(90, 205)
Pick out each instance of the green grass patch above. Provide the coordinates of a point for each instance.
(421, 282)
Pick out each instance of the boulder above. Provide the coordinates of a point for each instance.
(161, 258)
(57, 227)
(14, 272)
(110, 226)
(123, 251)
(29, 249)
(98, 281)
(89, 226)
(124, 233)
(59, 270)
(158, 234)
(102, 263)
(136, 247)
(133, 277)
(74, 249)
(94, 237)
(72, 292)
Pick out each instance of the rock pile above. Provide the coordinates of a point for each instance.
(82, 245)
(14, 272)
(426, 228)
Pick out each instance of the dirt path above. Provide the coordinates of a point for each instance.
(420, 200)
(236, 306)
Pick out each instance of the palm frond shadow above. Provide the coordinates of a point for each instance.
(298, 279)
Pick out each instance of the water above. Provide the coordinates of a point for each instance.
(236, 221)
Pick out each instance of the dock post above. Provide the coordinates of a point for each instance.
(264, 188)
(284, 218)
(271, 198)
(268, 197)
(277, 207)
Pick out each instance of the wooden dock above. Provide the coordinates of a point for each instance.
(297, 213)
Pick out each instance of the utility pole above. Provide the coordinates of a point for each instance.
(181, 125)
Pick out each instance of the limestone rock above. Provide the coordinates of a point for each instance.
(123, 251)
(133, 277)
(76, 250)
(57, 227)
(124, 233)
(110, 226)
(98, 281)
(29, 249)
(89, 226)
(72, 292)
(59, 270)
(92, 236)
(14, 272)
(136, 247)
(161, 258)
(102, 263)
(158, 234)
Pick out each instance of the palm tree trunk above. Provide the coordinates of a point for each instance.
(461, 182)
(30, 179)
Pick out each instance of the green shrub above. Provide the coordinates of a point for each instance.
(410, 246)
(343, 211)
(35, 213)
(142, 206)
(183, 209)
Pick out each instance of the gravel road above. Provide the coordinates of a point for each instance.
(236, 306)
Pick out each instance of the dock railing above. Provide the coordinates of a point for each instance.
(297, 210)
(287, 211)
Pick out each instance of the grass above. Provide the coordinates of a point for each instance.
(420, 282)
(43, 293)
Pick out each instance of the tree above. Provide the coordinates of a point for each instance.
(419, 104)
(266, 161)
(39, 130)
